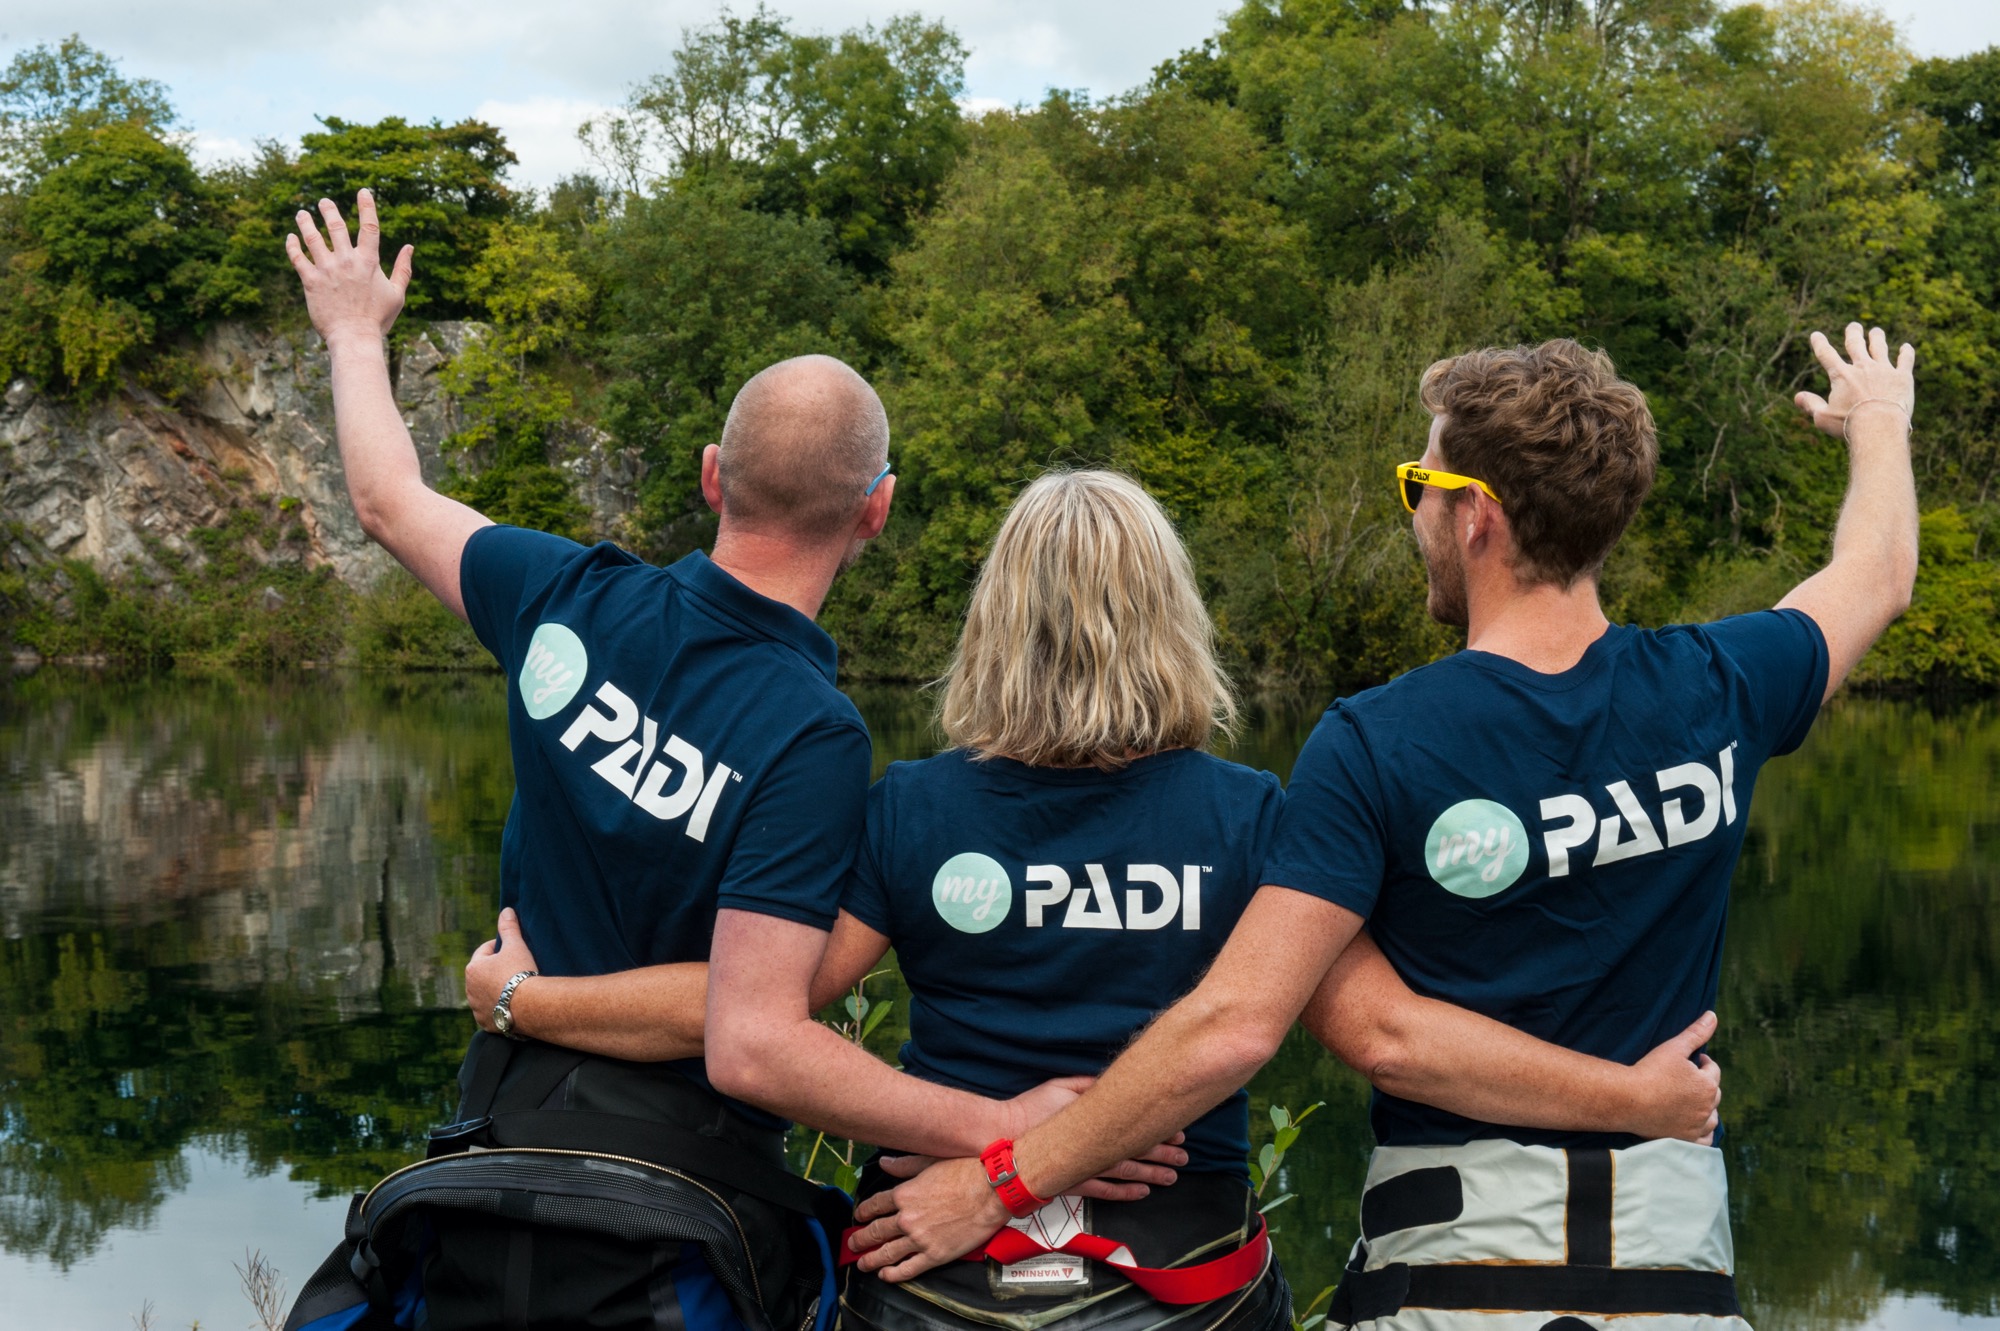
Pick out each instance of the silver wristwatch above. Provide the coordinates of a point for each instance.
(503, 1007)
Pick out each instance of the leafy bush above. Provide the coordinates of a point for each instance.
(399, 625)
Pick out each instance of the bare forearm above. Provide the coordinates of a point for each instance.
(647, 1015)
(1195, 1056)
(807, 1072)
(376, 451)
(1442, 1055)
(1202, 1048)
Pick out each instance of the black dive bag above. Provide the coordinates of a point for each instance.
(1199, 1217)
(584, 1192)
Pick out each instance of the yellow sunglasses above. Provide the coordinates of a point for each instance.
(1415, 476)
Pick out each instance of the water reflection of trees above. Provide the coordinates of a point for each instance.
(1861, 1046)
(240, 917)
(234, 914)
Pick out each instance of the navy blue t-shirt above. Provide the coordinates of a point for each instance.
(1553, 851)
(1042, 916)
(678, 746)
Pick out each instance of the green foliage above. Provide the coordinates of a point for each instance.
(243, 598)
(511, 413)
(110, 240)
(702, 290)
(859, 130)
(1951, 632)
(398, 625)
(45, 89)
(1270, 1157)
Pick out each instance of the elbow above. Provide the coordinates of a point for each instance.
(1231, 1042)
(1388, 1064)
(368, 511)
(1379, 1049)
(738, 1066)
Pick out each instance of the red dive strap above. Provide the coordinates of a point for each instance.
(1200, 1283)
(998, 1160)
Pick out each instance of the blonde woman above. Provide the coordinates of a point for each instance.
(1067, 868)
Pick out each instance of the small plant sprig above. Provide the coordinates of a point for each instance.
(863, 1016)
(264, 1288)
(1309, 1317)
(1264, 1165)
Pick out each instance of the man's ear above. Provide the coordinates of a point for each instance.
(711, 476)
(1479, 518)
(875, 513)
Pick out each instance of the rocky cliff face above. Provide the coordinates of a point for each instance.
(102, 483)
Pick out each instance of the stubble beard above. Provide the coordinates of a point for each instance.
(1444, 567)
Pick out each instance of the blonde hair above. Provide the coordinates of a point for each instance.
(1086, 642)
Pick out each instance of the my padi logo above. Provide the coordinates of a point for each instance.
(640, 768)
(554, 670)
(972, 892)
(1477, 848)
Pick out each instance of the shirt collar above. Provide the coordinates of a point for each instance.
(756, 612)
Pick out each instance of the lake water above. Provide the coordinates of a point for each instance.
(233, 916)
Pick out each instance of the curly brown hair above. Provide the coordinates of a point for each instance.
(1566, 444)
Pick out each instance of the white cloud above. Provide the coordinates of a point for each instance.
(542, 133)
(211, 150)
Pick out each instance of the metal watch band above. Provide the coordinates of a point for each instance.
(503, 1006)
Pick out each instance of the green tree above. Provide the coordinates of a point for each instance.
(46, 89)
(858, 130)
(116, 246)
(702, 290)
(511, 409)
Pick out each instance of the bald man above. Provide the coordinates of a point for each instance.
(689, 789)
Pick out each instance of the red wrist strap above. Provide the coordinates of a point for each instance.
(998, 1160)
(1198, 1283)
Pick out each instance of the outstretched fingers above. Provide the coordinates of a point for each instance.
(309, 234)
(1906, 359)
(1857, 343)
(336, 225)
(297, 254)
(1878, 344)
(1829, 359)
(399, 276)
(368, 227)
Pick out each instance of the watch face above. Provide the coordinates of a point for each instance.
(503, 1020)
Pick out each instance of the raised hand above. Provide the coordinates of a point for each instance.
(347, 293)
(1683, 1098)
(1868, 380)
(495, 962)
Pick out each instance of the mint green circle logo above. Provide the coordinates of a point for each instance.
(553, 671)
(972, 893)
(1476, 848)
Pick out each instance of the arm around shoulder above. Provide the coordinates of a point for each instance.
(1437, 1054)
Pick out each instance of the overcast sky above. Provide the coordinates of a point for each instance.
(247, 69)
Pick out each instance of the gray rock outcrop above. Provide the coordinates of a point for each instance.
(107, 483)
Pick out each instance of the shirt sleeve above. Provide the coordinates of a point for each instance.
(500, 568)
(791, 858)
(865, 896)
(1330, 836)
(1781, 663)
